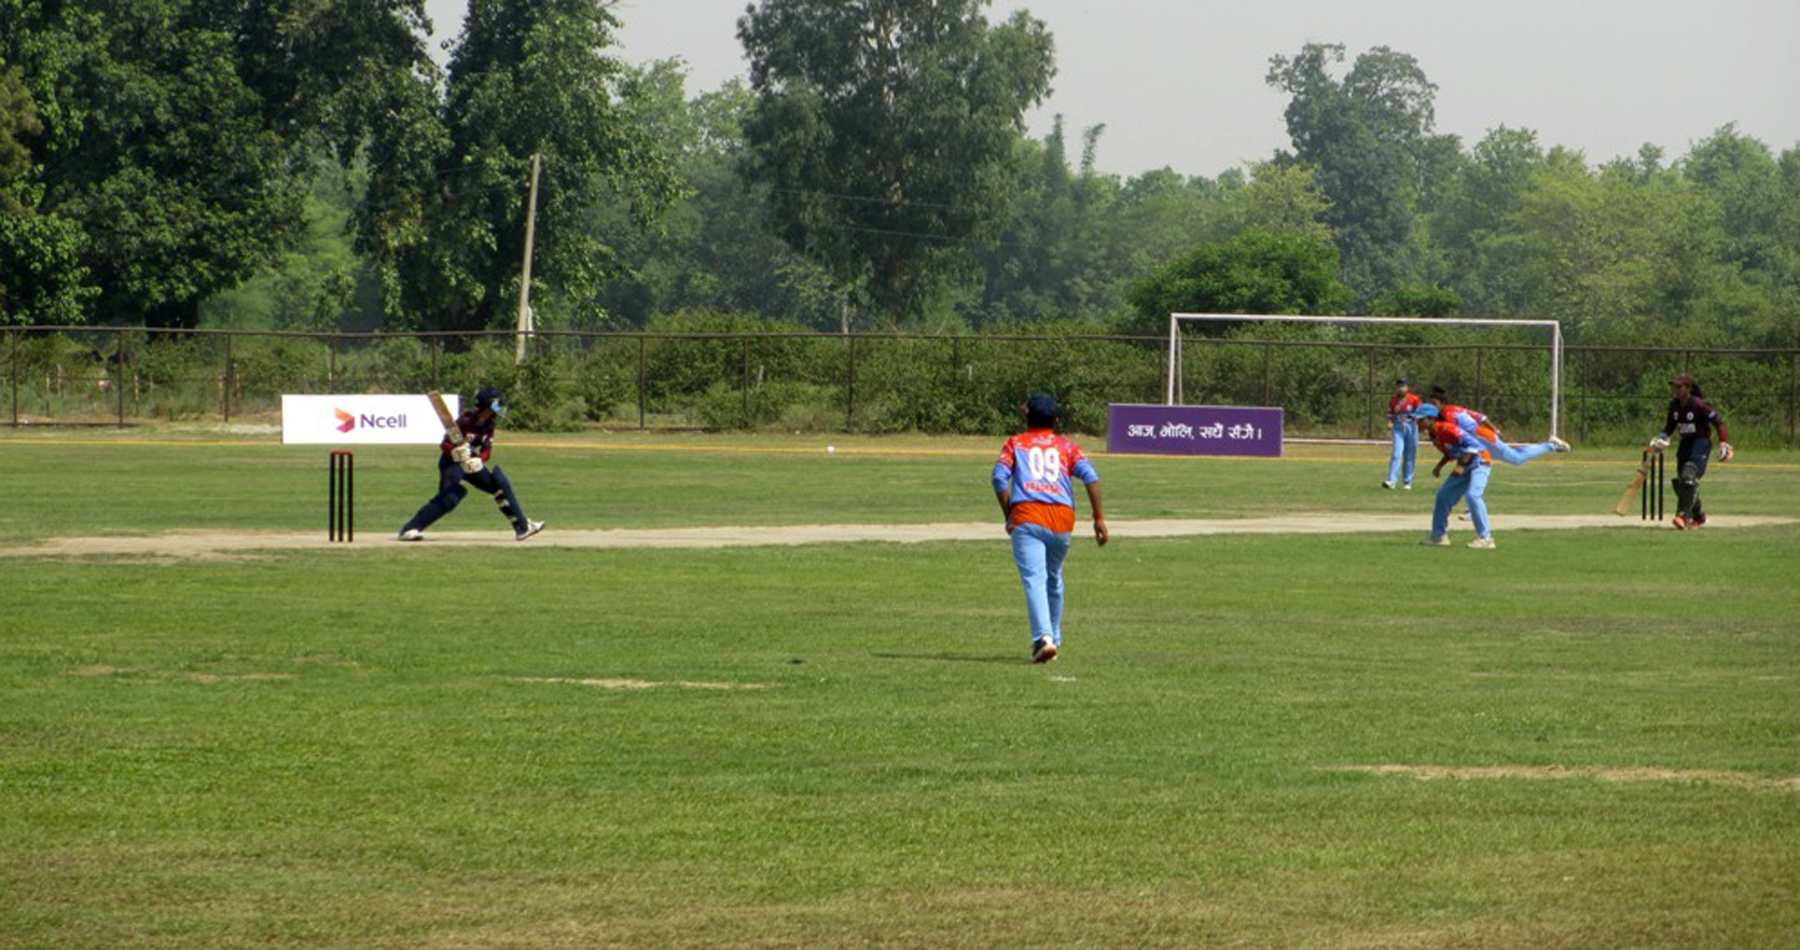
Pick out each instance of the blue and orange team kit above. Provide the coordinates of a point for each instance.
(1400, 408)
(1452, 439)
(1038, 465)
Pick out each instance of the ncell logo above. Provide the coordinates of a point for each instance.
(346, 421)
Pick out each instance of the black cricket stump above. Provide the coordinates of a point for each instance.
(340, 503)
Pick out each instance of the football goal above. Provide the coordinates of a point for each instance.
(1176, 320)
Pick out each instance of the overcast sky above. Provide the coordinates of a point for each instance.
(1179, 83)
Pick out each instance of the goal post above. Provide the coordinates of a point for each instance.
(1554, 326)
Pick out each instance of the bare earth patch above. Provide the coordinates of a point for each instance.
(99, 669)
(234, 545)
(103, 669)
(1604, 774)
(637, 684)
(234, 677)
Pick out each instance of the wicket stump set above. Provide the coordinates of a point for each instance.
(340, 503)
(1651, 507)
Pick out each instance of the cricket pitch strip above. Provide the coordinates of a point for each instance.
(205, 545)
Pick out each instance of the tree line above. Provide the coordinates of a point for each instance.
(306, 164)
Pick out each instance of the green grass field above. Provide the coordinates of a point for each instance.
(1595, 733)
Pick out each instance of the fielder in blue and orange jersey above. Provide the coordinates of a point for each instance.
(1468, 480)
(1405, 434)
(1484, 429)
(1034, 482)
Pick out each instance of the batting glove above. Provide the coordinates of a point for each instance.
(1658, 443)
(472, 464)
(1725, 452)
(460, 454)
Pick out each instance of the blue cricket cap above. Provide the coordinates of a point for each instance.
(1043, 406)
(1426, 412)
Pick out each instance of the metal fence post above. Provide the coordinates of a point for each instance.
(230, 368)
(746, 382)
(849, 381)
(1373, 408)
(119, 375)
(1791, 406)
(331, 348)
(1480, 398)
(14, 336)
(1268, 372)
(642, 385)
(1581, 385)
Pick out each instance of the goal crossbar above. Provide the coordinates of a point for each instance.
(1554, 326)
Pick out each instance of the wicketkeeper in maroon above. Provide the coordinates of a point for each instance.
(1693, 419)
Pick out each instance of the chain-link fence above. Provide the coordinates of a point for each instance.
(869, 382)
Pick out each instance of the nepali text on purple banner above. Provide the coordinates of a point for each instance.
(1193, 430)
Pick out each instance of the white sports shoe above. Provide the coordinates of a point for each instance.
(531, 528)
(412, 534)
(1388, 485)
(1436, 541)
(1407, 486)
(1486, 542)
(1043, 651)
(1561, 446)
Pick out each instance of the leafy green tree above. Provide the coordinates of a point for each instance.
(1473, 225)
(1756, 209)
(1369, 137)
(1417, 300)
(713, 250)
(1040, 268)
(18, 119)
(352, 79)
(1270, 272)
(154, 149)
(178, 136)
(1631, 255)
(885, 132)
(41, 278)
(527, 77)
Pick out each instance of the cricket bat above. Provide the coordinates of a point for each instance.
(454, 432)
(1637, 485)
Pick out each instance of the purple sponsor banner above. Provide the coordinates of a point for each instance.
(1193, 430)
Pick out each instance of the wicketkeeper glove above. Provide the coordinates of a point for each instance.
(1725, 452)
(1658, 443)
(459, 454)
(472, 464)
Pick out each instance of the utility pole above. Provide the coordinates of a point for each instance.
(526, 321)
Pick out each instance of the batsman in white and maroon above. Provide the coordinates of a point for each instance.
(1033, 480)
(1693, 419)
(460, 466)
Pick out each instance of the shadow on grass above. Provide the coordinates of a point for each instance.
(956, 658)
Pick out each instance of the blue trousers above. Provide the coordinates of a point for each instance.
(1471, 483)
(1690, 467)
(1406, 452)
(453, 485)
(1039, 553)
(1516, 455)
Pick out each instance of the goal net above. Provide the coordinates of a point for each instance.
(1506, 376)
